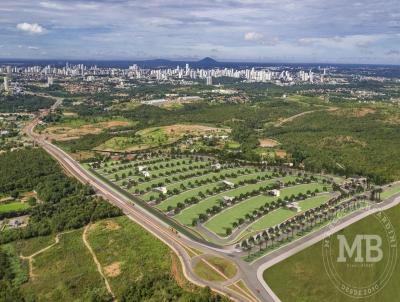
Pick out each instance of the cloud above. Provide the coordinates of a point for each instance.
(32, 28)
(393, 52)
(260, 38)
(253, 36)
(33, 47)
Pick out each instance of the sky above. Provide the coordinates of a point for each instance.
(331, 31)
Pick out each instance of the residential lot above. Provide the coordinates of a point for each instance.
(215, 197)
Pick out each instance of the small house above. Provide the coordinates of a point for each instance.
(162, 190)
(275, 192)
(227, 199)
(146, 173)
(216, 166)
(141, 168)
(228, 184)
(293, 206)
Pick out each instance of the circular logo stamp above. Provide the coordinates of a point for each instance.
(361, 263)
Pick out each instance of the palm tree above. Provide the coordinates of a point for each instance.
(259, 241)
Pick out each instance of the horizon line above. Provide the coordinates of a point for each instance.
(192, 60)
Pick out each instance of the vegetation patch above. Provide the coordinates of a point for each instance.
(206, 272)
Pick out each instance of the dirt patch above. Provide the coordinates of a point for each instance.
(176, 271)
(281, 153)
(112, 225)
(70, 114)
(268, 143)
(363, 112)
(113, 270)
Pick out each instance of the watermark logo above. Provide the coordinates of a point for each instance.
(360, 265)
(357, 247)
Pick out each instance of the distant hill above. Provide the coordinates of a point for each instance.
(207, 62)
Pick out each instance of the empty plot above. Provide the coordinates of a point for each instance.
(186, 216)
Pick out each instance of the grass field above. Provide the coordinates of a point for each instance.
(302, 277)
(13, 206)
(281, 214)
(66, 272)
(127, 252)
(207, 202)
(187, 215)
(390, 192)
(223, 220)
(204, 271)
(129, 256)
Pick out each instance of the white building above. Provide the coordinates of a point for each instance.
(216, 166)
(209, 80)
(228, 183)
(141, 168)
(50, 81)
(146, 173)
(293, 206)
(162, 190)
(275, 192)
(6, 84)
(227, 199)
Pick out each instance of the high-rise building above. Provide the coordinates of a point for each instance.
(209, 80)
(50, 81)
(6, 84)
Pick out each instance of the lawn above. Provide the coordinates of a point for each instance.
(13, 206)
(281, 214)
(187, 215)
(185, 182)
(390, 192)
(302, 277)
(223, 220)
(158, 171)
(173, 201)
(204, 271)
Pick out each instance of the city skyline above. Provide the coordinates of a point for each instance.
(237, 30)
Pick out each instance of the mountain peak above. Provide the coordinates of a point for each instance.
(207, 60)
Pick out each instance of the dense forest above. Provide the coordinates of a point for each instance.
(67, 203)
(344, 143)
(23, 103)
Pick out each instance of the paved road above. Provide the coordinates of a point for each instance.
(250, 273)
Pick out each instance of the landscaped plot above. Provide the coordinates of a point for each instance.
(173, 201)
(13, 206)
(171, 185)
(390, 192)
(219, 223)
(197, 179)
(280, 215)
(186, 216)
(157, 171)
